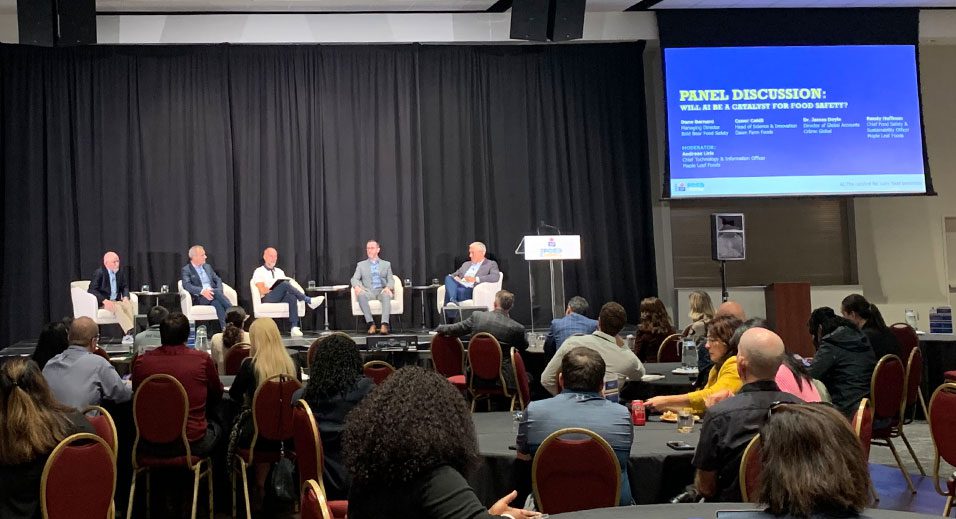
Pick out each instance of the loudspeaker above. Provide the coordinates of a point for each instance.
(727, 240)
(547, 20)
(57, 23)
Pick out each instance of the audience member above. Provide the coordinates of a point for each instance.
(32, 423)
(731, 308)
(722, 378)
(336, 385)
(867, 317)
(460, 285)
(274, 287)
(617, 358)
(196, 371)
(78, 377)
(794, 378)
(655, 326)
(373, 279)
(813, 464)
(52, 341)
(150, 337)
(111, 287)
(701, 314)
(233, 334)
(574, 322)
(203, 284)
(730, 425)
(409, 447)
(580, 404)
(844, 361)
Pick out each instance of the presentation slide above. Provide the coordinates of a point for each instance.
(793, 121)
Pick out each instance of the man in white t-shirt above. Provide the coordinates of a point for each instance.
(265, 278)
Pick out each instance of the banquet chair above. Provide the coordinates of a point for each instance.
(906, 336)
(234, 357)
(377, 370)
(160, 412)
(749, 472)
(448, 356)
(314, 505)
(271, 421)
(310, 458)
(572, 474)
(375, 306)
(79, 479)
(485, 378)
(942, 423)
(102, 353)
(950, 376)
(887, 394)
(203, 312)
(670, 349)
(85, 304)
(482, 295)
(523, 385)
(862, 424)
(912, 396)
(104, 425)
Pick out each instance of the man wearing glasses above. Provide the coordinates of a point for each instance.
(78, 377)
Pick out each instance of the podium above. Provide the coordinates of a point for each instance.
(554, 249)
(788, 310)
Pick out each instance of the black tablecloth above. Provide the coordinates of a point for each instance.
(671, 384)
(656, 472)
(702, 511)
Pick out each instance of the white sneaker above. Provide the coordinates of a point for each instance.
(296, 332)
(128, 339)
(315, 302)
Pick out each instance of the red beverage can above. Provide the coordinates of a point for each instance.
(638, 416)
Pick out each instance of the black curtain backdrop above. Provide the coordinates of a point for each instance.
(313, 149)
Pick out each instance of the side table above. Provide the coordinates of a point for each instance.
(327, 291)
(423, 289)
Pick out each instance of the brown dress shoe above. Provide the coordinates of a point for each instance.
(384, 329)
(371, 329)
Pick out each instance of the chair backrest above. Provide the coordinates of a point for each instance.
(574, 474)
(750, 469)
(84, 303)
(886, 389)
(942, 423)
(254, 295)
(906, 336)
(102, 353)
(521, 379)
(308, 443)
(378, 370)
(863, 426)
(104, 425)
(234, 357)
(160, 410)
(913, 379)
(670, 349)
(484, 357)
(272, 409)
(448, 355)
(314, 505)
(79, 479)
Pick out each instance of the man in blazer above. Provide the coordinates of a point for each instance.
(460, 285)
(111, 288)
(202, 282)
(373, 278)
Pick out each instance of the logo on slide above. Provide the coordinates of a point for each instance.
(681, 186)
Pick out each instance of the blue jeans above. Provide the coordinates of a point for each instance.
(455, 291)
(219, 301)
(286, 293)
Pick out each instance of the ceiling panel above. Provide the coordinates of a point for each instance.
(293, 5)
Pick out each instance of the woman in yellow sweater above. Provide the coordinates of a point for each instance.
(723, 377)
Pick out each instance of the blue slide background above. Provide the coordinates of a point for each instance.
(874, 80)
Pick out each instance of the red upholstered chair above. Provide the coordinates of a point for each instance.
(234, 357)
(887, 394)
(102, 353)
(912, 395)
(571, 474)
(521, 381)
(271, 420)
(906, 336)
(670, 349)
(750, 469)
(314, 505)
(862, 424)
(105, 427)
(160, 410)
(942, 423)
(448, 356)
(79, 479)
(308, 453)
(484, 357)
(378, 370)
(950, 376)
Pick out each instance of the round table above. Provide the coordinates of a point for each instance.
(423, 289)
(656, 472)
(671, 384)
(706, 511)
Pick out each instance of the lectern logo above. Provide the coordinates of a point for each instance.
(552, 250)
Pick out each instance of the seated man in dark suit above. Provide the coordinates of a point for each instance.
(111, 287)
(508, 331)
(202, 282)
(574, 322)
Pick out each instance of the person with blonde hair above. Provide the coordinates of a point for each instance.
(701, 314)
(32, 423)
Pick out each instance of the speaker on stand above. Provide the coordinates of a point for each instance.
(727, 243)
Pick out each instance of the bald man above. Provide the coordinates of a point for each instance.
(730, 425)
(111, 288)
(273, 287)
(77, 377)
(731, 308)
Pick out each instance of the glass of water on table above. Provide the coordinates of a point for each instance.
(685, 420)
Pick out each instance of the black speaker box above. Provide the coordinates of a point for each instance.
(57, 23)
(547, 20)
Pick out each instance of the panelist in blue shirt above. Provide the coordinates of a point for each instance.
(373, 279)
(202, 282)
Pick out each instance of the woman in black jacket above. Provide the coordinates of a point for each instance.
(844, 360)
(868, 319)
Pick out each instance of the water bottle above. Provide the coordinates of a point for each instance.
(191, 341)
(201, 343)
(688, 358)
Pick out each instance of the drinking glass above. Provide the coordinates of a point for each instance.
(164, 289)
(145, 288)
(517, 416)
(408, 282)
(688, 358)
(685, 420)
(311, 284)
(434, 281)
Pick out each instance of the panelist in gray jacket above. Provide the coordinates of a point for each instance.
(373, 278)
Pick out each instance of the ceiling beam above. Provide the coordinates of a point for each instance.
(500, 6)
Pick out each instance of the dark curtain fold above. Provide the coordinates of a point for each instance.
(314, 149)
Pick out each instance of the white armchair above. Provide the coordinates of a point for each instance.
(85, 305)
(203, 312)
(398, 300)
(274, 310)
(483, 295)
